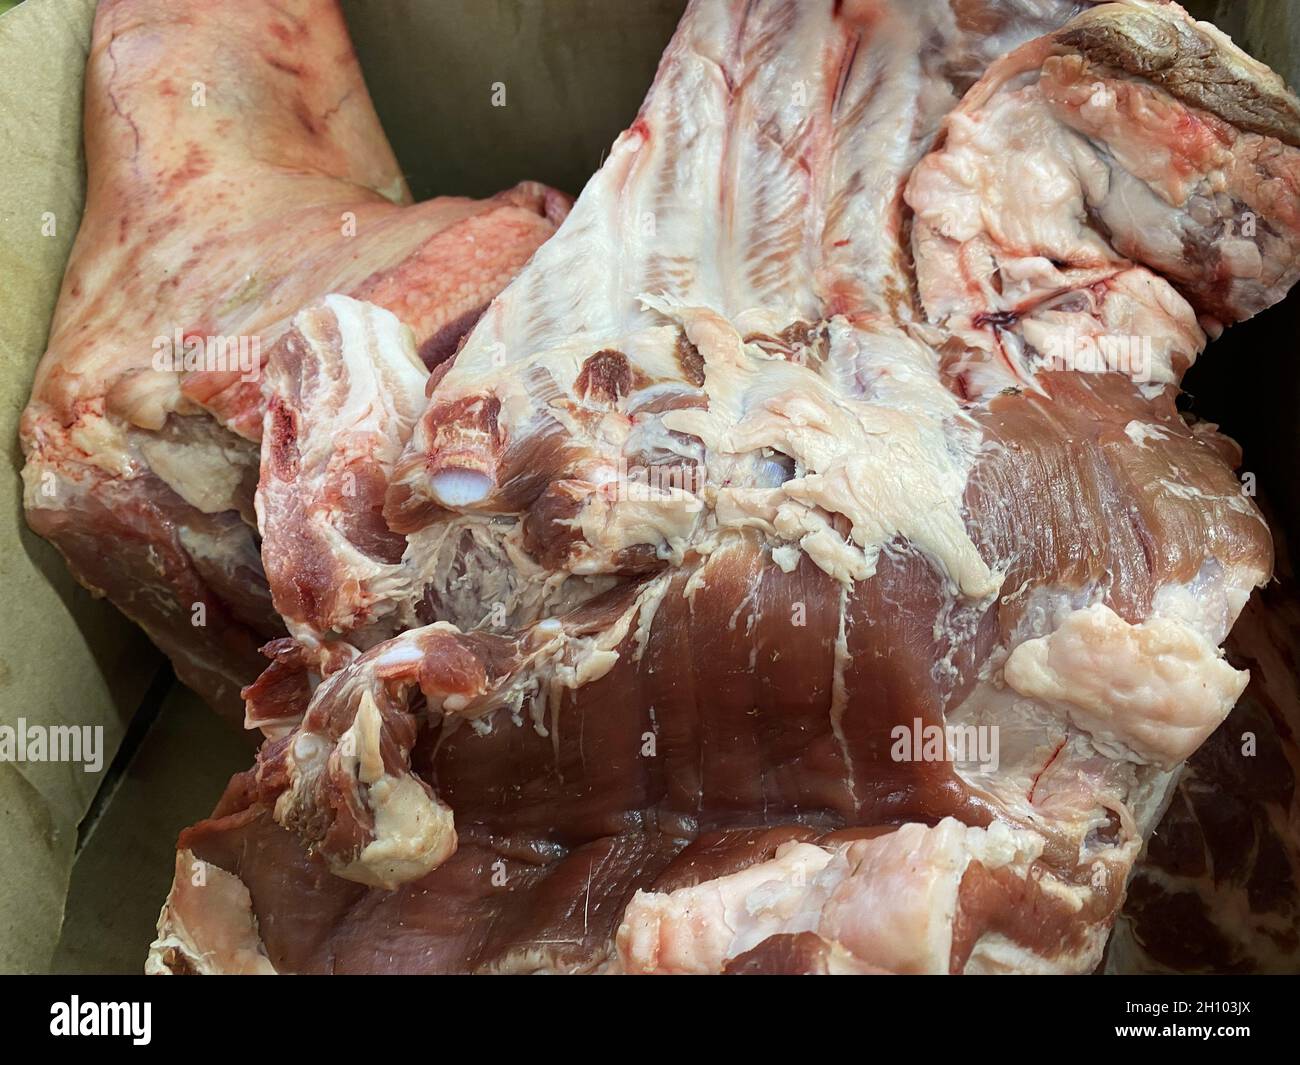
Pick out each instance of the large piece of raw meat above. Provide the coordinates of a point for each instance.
(824, 422)
(236, 170)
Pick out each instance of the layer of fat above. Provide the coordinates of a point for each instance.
(995, 954)
(365, 392)
(1144, 432)
(872, 437)
(889, 901)
(203, 473)
(1013, 171)
(697, 929)
(1212, 600)
(384, 371)
(1003, 203)
(639, 514)
(896, 907)
(414, 833)
(1152, 691)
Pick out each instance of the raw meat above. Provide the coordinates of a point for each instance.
(236, 171)
(1218, 888)
(809, 454)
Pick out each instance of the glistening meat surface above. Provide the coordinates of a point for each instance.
(807, 427)
(236, 170)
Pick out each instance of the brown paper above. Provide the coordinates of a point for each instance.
(64, 658)
(124, 870)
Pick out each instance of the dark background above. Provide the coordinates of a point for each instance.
(574, 72)
(1248, 380)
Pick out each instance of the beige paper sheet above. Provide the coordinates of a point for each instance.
(64, 658)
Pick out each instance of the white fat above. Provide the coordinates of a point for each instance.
(888, 901)
(1142, 433)
(204, 474)
(382, 365)
(1153, 691)
(696, 929)
(995, 954)
(1210, 602)
(1012, 170)
(1003, 224)
(414, 833)
(639, 514)
(364, 389)
(896, 909)
(786, 557)
(100, 441)
(885, 455)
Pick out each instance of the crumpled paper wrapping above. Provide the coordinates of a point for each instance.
(64, 657)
